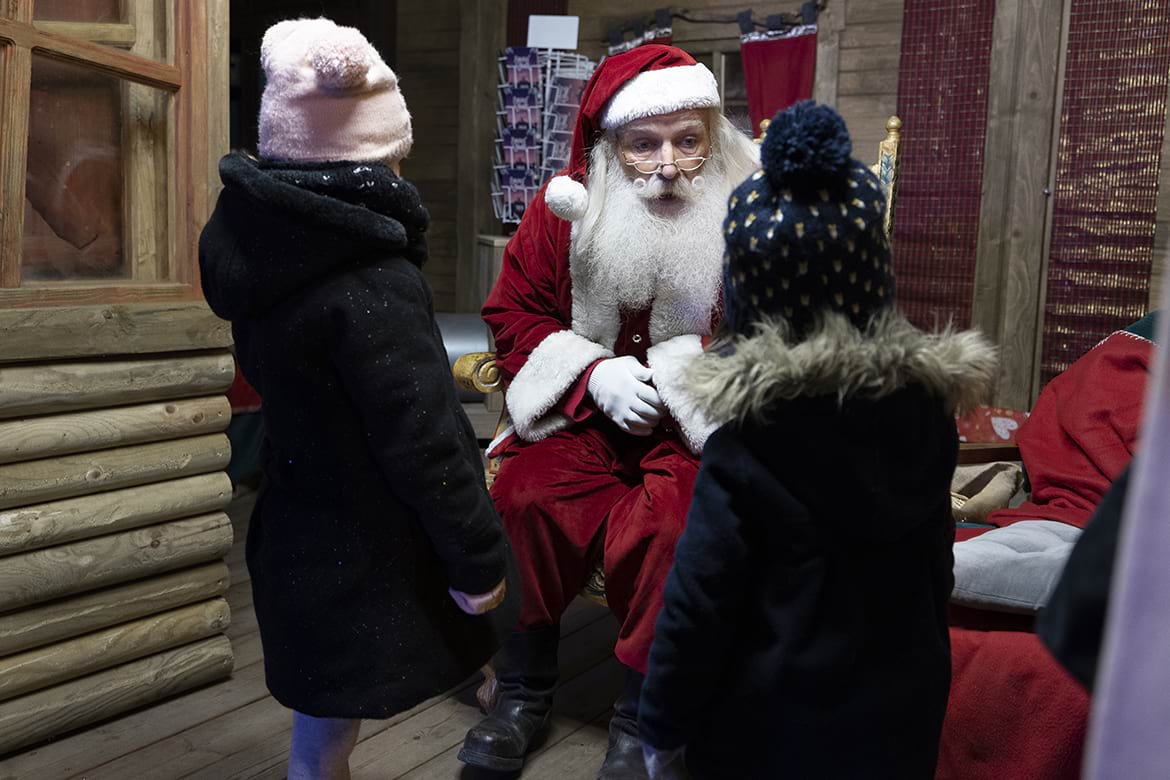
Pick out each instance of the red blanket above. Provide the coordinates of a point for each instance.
(1082, 432)
(1014, 713)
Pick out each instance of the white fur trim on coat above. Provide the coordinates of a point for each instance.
(659, 92)
(567, 198)
(838, 359)
(550, 370)
(671, 362)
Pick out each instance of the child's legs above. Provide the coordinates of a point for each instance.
(321, 747)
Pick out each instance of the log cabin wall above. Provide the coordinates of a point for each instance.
(112, 523)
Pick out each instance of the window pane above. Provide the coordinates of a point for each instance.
(96, 198)
(142, 27)
(80, 10)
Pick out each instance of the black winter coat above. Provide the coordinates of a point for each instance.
(804, 631)
(373, 500)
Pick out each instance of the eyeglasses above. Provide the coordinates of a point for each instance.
(651, 167)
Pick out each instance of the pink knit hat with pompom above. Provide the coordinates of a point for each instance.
(329, 96)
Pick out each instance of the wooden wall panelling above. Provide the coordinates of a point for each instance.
(43, 437)
(38, 481)
(32, 670)
(482, 37)
(1020, 130)
(829, 25)
(66, 570)
(193, 143)
(218, 92)
(42, 525)
(868, 64)
(44, 624)
(864, 12)
(1050, 185)
(63, 387)
(120, 34)
(1162, 231)
(145, 133)
(15, 82)
(428, 63)
(77, 703)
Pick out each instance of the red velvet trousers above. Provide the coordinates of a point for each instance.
(592, 491)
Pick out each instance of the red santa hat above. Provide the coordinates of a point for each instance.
(651, 80)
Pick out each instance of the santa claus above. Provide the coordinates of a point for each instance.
(607, 289)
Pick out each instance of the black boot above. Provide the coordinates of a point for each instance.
(623, 756)
(526, 671)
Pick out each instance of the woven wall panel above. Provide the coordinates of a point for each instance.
(1104, 202)
(942, 100)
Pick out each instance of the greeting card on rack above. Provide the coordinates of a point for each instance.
(539, 95)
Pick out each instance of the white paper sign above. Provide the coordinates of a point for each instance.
(553, 32)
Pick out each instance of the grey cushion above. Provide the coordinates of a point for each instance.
(1014, 568)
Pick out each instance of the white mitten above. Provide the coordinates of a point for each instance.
(619, 386)
(479, 603)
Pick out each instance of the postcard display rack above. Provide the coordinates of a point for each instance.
(540, 92)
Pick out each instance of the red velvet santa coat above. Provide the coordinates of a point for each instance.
(551, 326)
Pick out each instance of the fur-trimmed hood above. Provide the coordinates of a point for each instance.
(755, 372)
(280, 227)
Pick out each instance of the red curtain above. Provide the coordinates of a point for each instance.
(778, 72)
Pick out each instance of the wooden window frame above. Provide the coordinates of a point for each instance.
(189, 123)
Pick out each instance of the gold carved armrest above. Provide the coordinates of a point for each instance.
(477, 372)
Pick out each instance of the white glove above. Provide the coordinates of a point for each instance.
(619, 388)
(479, 603)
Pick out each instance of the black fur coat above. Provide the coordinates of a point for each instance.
(373, 500)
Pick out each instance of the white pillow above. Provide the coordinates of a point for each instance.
(1014, 568)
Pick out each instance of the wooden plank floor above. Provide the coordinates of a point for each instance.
(234, 730)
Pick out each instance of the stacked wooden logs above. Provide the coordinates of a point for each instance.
(112, 534)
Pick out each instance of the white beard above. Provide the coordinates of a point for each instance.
(636, 251)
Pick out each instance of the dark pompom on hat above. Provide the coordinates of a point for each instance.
(806, 234)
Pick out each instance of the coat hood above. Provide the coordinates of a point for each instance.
(744, 381)
(858, 425)
(278, 227)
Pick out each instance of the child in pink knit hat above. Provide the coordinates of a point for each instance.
(376, 556)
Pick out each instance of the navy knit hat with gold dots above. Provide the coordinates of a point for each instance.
(805, 234)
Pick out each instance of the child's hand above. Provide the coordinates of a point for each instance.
(481, 603)
(664, 764)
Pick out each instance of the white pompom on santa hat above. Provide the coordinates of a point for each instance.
(651, 80)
